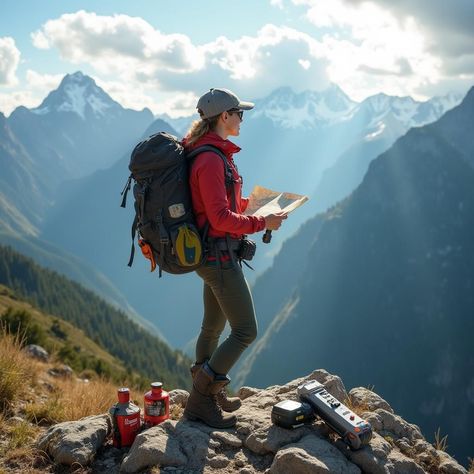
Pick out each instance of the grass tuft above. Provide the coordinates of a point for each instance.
(440, 443)
(21, 435)
(72, 400)
(17, 370)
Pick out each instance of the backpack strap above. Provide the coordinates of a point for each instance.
(228, 174)
(229, 183)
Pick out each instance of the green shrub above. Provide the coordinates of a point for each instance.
(19, 321)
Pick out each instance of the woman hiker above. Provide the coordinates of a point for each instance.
(218, 204)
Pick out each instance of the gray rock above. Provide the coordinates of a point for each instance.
(246, 392)
(154, 447)
(179, 397)
(76, 441)
(448, 465)
(311, 455)
(227, 438)
(361, 396)
(169, 444)
(403, 464)
(62, 371)
(218, 462)
(37, 352)
(388, 423)
(371, 459)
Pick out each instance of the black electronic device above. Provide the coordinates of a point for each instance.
(355, 431)
(291, 414)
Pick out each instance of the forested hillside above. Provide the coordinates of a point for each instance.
(111, 329)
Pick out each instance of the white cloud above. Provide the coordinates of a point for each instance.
(116, 43)
(132, 52)
(32, 94)
(9, 60)
(10, 101)
(364, 47)
(42, 82)
(370, 49)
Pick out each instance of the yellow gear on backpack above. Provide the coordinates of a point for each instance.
(188, 246)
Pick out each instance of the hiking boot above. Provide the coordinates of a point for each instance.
(228, 404)
(202, 402)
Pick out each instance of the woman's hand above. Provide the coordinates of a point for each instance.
(273, 221)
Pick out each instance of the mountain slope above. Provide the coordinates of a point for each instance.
(111, 329)
(389, 284)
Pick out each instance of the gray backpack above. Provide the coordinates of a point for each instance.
(164, 219)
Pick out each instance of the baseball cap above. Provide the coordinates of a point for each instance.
(216, 101)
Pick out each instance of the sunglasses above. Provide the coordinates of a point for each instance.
(239, 112)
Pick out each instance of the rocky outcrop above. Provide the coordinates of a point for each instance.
(255, 445)
(76, 442)
(37, 352)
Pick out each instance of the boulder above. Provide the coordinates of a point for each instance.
(448, 465)
(387, 423)
(172, 443)
(61, 371)
(179, 397)
(311, 455)
(37, 352)
(363, 397)
(74, 442)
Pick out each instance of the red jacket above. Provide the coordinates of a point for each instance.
(211, 200)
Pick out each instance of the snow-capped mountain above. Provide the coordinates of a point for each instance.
(89, 129)
(78, 129)
(79, 94)
(312, 110)
(308, 109)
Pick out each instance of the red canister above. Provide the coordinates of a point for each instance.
(157, 405)
(125, 419)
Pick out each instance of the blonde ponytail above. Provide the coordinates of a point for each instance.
(199, 128)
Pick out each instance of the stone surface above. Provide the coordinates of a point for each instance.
(179, 397)
(227, 439)
(255, 445)
(388, 423)
(61, 371)
(448, 465)
(361, 396)
(37, 352)
(246, 392)
(311, 455)
(154, 447)
(76, 441)
(219, 462)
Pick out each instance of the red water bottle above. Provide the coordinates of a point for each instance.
(125, 419)
(157, 405)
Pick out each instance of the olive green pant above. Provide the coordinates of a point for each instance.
(227, 297)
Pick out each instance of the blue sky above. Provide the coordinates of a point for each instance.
(163, 55)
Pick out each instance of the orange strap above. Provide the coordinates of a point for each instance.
(147, 253)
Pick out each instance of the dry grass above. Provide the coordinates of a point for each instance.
(72, 400)
(355, 406)
(17, 370)
(176, 412)
(84, 399)
(440, 443)
(21, 434)
(18, 450)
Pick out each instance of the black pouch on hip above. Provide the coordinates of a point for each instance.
(247, 249)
